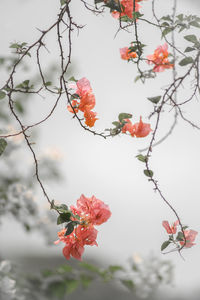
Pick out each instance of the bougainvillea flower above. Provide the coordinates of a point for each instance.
(170, 229)
(87, 101)
(142, 129)
(90, 117)
(128, 127)
(83, 87)
(126, 54)
(190, 236)
(127, 9)
(160, 59)
(95, 210)
(75, 105)
(87, 235)
(73, 248)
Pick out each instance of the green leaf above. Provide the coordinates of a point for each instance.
(85, 280)
(72, 79)
(195, 24)
(123, 116)
(154, 99)
(114, 269)
(19, 107)
(180, 236)
(128, 283)
(48, 83)
(189, 49)
(72, 285)
(148, 173)
(191, 38)
(62, 2)
(166, 31)
(3, 145)
(117, 124)
(15, 46)
(90, 267)
(141, 157)
(64, 269)
(63, 218)
(137, 78)
(165, 245)
(186, 61)
(2, 95)
(70, 228)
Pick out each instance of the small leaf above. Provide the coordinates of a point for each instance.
(154, 99)
(72, 79)
(117, 124)
(64, 269)
(141, 157)
(70, 228)
(180, 236)
(128, 283)
(186, 61)
(63, 218)
(2, 95)
(62, 2)
(114, 269)
(148, 173)
(90, 267)
(123, 116)
(72, 285)
(165, 245)
(48, 83)
(189, 49)
(191, 38)
(3, 145)
(15, 46)
(166, 31)
(195, 24)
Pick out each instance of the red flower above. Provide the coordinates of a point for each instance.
(160, 59)
(138, 129)
(142, 129)
(190, 236)
(90, 117)
(170, 229)
(127, 9)
(95, 210)
(126, 54)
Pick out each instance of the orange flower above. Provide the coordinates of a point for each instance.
(142, 129)
(87, 102)
(90, 117)
(138, 129)
(126, 54)
(160, 59)
(128, 127)
(75, 105)
(127, 9)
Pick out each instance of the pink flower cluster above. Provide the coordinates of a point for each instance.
(138, 129)
(91, 211)
(190, 235)
(160, 59)
(127, 8)
(83, 100)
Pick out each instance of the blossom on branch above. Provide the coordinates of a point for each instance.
(127, 9)
(160, 59)
(170, 229)
(127, 54)
(190, 236)
(138, 129)
(83, 100)
(89, 212)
